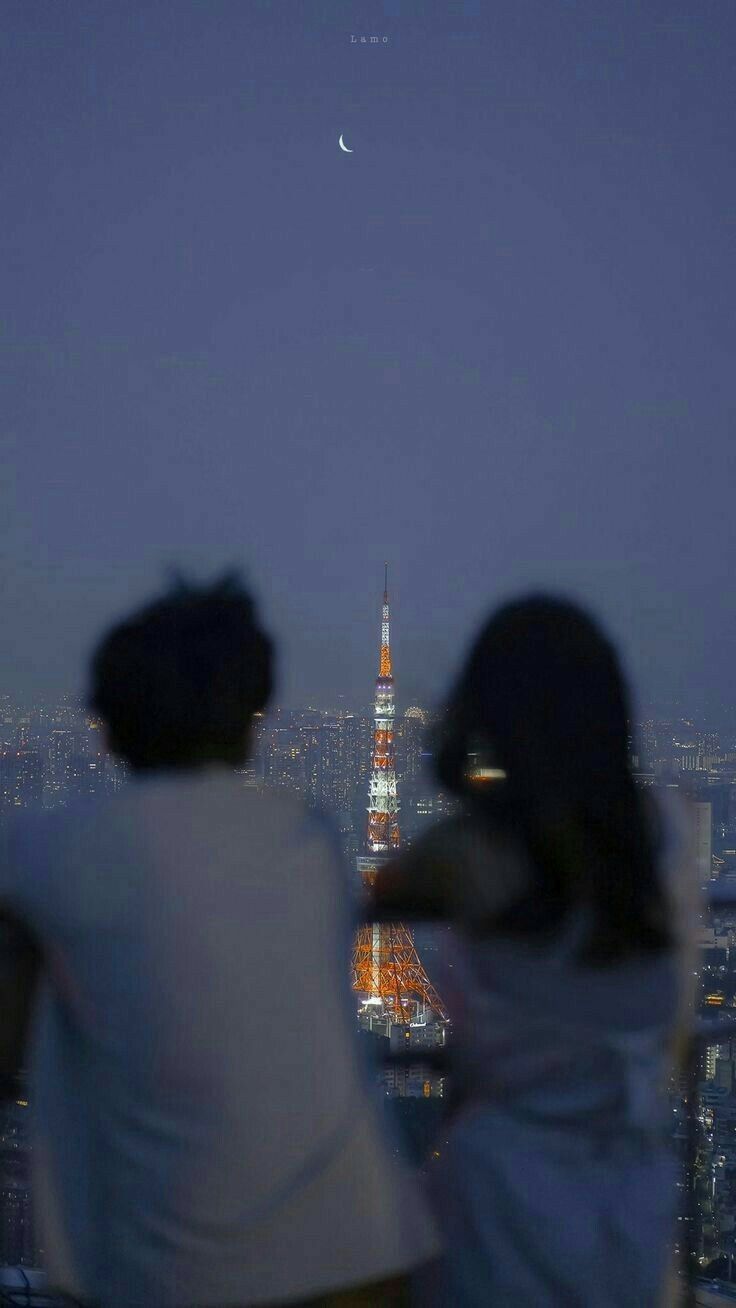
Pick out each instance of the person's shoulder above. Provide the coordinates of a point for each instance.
(282, 819)
(30, 830)
(32, 838)
(33, 831)
(218, 794)
(279, 809)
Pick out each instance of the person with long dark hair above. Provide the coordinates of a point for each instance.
(555, 1182)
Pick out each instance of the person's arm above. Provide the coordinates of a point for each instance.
(19, 967)
(420, 881)
(456, 871)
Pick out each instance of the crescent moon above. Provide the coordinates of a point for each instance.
(343, 146)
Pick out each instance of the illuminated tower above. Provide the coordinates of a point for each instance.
(387, 970)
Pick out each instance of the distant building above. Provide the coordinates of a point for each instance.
(62, 746)
(21, 779)
(411, 739)
(87, 775)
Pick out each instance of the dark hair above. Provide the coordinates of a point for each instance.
(178, 682)
(542, 700)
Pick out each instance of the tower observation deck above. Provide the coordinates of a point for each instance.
(387, 970)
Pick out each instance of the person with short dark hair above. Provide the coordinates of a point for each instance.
(177, 684)
(568, 888)
(203, 1133)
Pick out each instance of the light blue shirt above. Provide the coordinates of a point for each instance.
(203, 1133)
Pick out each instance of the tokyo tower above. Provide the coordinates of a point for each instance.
(387, 970)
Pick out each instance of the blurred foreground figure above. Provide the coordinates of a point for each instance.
(568, 888)
(203, 1134)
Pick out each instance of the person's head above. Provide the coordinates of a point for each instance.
(177, 682)
(542, 703)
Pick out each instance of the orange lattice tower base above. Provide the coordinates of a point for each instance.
(388, 971)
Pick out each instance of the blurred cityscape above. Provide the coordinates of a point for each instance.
(52, 755)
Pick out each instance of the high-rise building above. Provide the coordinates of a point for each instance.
(411, 742)
(284, 758)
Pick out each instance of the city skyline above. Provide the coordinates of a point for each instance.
(697, 710)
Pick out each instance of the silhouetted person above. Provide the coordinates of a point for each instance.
(556, 1183)
(203, 1134)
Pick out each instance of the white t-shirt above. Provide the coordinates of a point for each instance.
(204, 1134)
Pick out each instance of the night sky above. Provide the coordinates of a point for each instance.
(493, 345)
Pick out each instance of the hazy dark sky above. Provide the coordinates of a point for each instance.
(493, 345)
